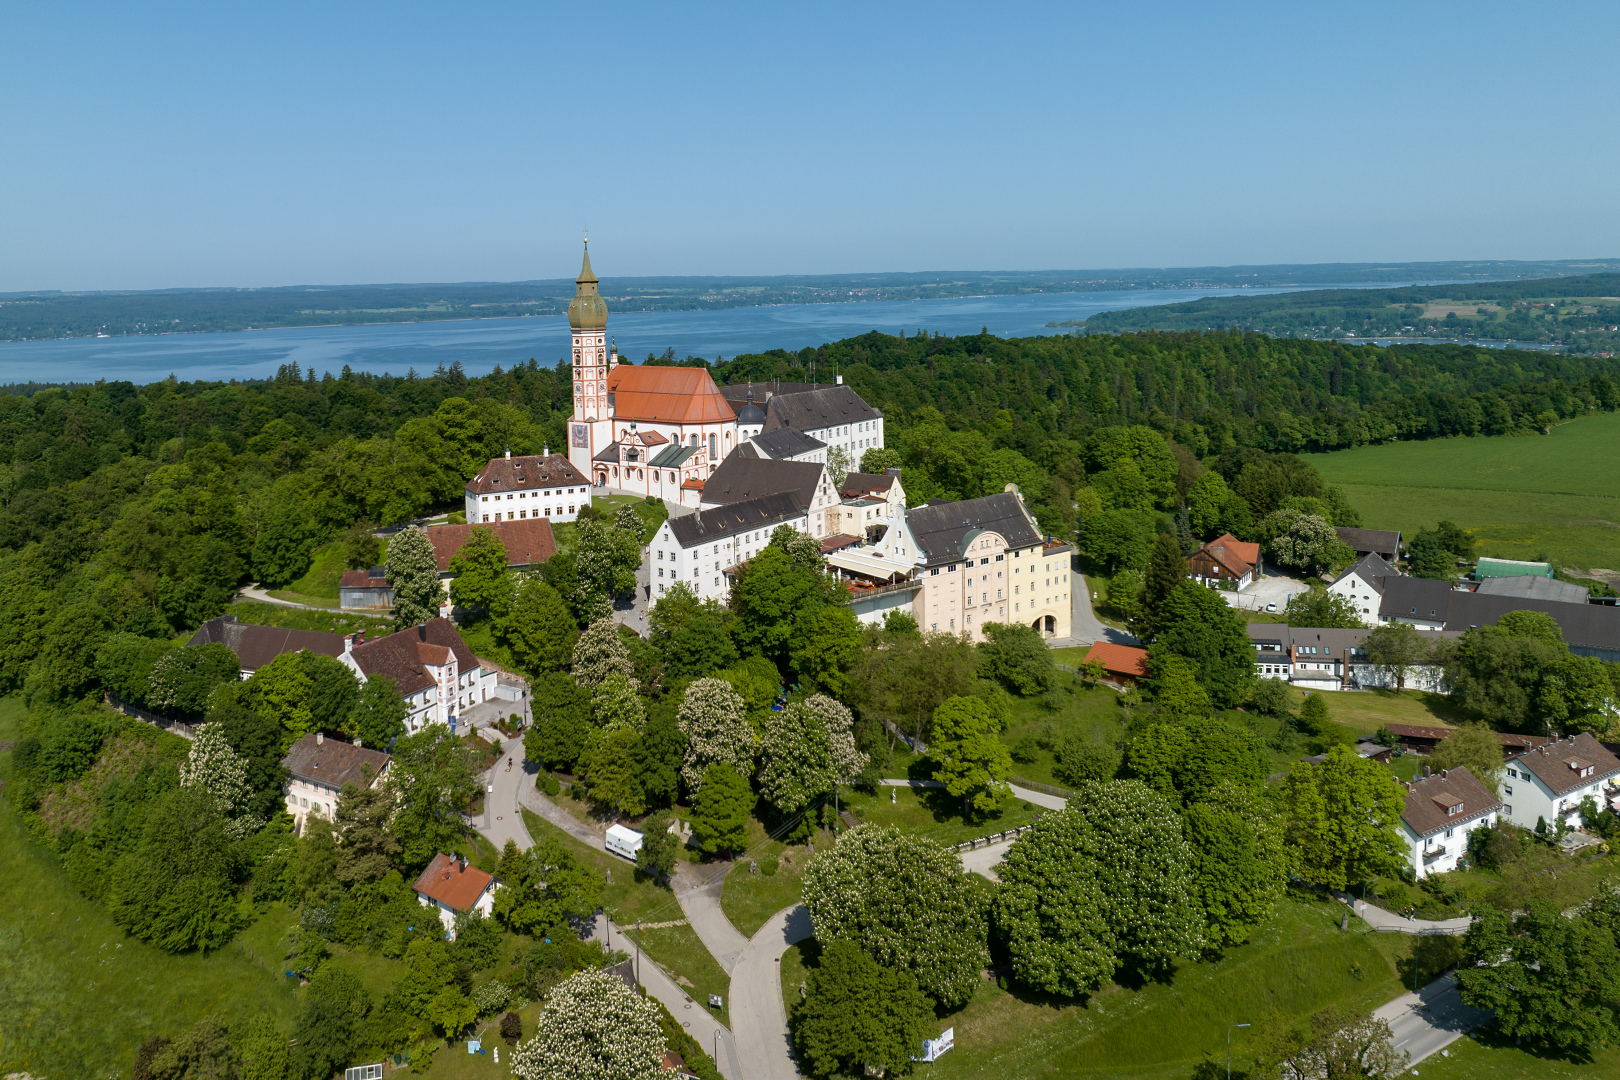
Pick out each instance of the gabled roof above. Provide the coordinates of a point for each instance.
(374, 578)
(740, 478)
(1585, 626)
(1119, 659)
(452, 882)
(673, 456)
(784, 443)
(401, 656)
(1418, 731)
(1487, 568)
(334, 762)
(1533, 587)
(719, 522)
(1377, 541)
(528, 541)
(1237, 556)
(524, 473)
(1372, 569)
(1430, 801)
(944, 529)
(737, 393)
(860, 483)
(1559, 764)
(670, 395)
(256, 646)
(816, 409)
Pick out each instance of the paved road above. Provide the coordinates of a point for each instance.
(1084, 626)
(1428, 1021)
(1051, 802)
(254, 592)
(1391, 923)
(698, 890)
(758, 1015)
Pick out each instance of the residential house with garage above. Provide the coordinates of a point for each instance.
(451, 887)
(432, 668)
(986, 560)
(1440, 810)
(1363, 585)
(1225, 562)
(318, 767)
(1549, 783)
(704, 548)
(525, 487)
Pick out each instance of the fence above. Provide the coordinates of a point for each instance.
(994, 838)
(1044, 789)
(167, 723)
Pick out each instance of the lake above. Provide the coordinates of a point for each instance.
(480, 344)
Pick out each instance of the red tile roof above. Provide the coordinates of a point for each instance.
(1430, 801)
(401, 656)
(528, 541)
(526, 472)
(671, 395)
(1232, 553)
(1119, 659)
(450, 883)
(362, 579)
(1414, 731)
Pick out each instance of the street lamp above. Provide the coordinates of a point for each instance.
(1229, 1049)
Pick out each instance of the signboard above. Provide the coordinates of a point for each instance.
(933, 1048)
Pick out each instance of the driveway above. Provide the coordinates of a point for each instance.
(1267, 590)
(758, 1014)
(1084, 626)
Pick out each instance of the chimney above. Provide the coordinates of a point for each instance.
(839, 379)
(1444, 773)
(1425, 772)
(546, 450)
(508, 453)
(320, 738)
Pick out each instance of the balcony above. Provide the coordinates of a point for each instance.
(1431, 854)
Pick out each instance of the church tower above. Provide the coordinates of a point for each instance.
(587, 319)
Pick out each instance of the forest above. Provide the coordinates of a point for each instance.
(1577, 313)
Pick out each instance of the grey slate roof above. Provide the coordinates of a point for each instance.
(737, 393)
(1380, 541)
(1372, 569)
(1534, 588)
(785, 443)
(740, 478)
(256, 646)
(1587, 627)
(719, 522)
(943, 530)
(816, 409)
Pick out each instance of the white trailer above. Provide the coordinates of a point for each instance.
(623, 842)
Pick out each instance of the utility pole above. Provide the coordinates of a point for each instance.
(1229, 1049)
(638, 958)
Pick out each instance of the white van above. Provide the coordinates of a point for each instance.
(623, 842)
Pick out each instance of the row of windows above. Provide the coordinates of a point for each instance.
(536, 494)
(538, 512)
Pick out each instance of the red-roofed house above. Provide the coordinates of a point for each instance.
(452, 887)
(525, 487)
(528, 543)
(1122, 662)
(1225, 558)
(432, 668)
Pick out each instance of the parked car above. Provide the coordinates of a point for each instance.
(1271, 607)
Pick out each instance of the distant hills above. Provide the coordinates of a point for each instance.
(1579, 313)
(29, 316)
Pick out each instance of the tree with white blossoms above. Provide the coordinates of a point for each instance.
(907, 902)
(413, 575)
(808, 749)
(714, 719)
(1107, 881)
(615, 703)
(599, 652)
(213, 766)
(593, 1027)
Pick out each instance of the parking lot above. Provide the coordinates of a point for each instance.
(1266, 591)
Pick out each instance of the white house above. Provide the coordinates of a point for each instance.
(834, 415)
(318, 767)
(528, 486)
(451, 887)
(432, 668)
(1441, 810)
(701, 548)
(1550, 781)
(808, 483)
(1363, 585)
(1333, 659)
(784, 444)
(873, 507)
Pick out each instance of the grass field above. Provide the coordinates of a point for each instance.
(1524, 496)
(77, 994)
(1298, 963)
(328, 622)
(1491, 1057)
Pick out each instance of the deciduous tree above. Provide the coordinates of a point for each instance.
(1395, 649)
(720, 809)
(593, 1027)
(713, 720)
(1240, 862)
(599, 652)
(379, 715)
(413, 575)
(539, 628)
(971, 761)
(858, 1017)
(1341, 819)
(1196, 624)
(1475, 746)
(212, 766)
(1017, 656)
(1317, 607)
(479, 579)
(432, 781)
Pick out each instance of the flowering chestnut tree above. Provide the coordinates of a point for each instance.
(593, 1027)
(598, 653)
(907, 902)
(214, 767)
(714, 719)
(808, 749)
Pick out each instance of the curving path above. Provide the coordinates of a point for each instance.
(758, 1014)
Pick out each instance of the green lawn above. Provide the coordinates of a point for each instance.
(1525, 496)
(1049, 720)
(294, 597)
(749, 900)
(325, 572)
(932, 813)
(1487, 1056)
(77, 994)
(1300, 962)
(677, 948)
(1368, 710)
(259, 613)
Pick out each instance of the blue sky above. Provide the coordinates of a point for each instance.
(168, 145)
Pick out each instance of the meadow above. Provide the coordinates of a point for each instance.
(1526, 497)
